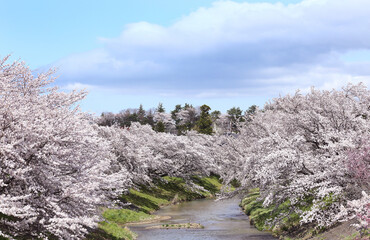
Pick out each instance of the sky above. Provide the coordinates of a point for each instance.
(219, 53)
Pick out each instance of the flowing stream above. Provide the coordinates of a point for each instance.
(221, 220)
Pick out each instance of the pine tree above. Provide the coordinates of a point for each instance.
(235, 115)
(204, 124)
(160, 127)
(160, 108)
(141, 114)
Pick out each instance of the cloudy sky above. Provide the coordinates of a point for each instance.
(222, 53)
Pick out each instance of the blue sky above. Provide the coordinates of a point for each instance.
(222, 53)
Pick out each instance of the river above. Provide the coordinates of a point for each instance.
(221, 220)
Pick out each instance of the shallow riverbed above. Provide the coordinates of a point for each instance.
(221, 220)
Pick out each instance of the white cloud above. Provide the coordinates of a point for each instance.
(78, 86)
(233, 49)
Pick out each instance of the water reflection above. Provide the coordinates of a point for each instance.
(221, 219)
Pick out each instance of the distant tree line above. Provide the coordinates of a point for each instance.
(181, 119)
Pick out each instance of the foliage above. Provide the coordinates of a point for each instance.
(204, 124)
(235, 115)
(215, 115)
(160, 108)
(164, 122)
(125, 117)
(159, 127)
(252, 109)
(170, 189)
(180, 121)
(186, 119)
(300, 146)
(53, 165)
(141, 115)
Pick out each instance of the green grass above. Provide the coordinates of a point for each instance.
(212, 184)
(117, 232)
(289, 221)
(352, 237)
(169, 190)
(250, 203)
(259, 215)
(113, 227)
(123, 216)
(145, 201)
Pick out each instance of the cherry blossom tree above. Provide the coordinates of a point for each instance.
(147, 154)
(187, 118)
(165, 120)
(297, 147)
(358, 163)
(221, 125)
(53, 164)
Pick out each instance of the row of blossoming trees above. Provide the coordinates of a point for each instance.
(57, 166)
(311, 148)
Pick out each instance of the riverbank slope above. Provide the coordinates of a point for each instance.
(288, 227)
(143, 200)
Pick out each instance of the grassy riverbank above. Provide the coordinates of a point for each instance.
(144, 200)
(288, 227)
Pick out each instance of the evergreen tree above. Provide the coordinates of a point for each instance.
(149, 118)
(160, 127)
(215, 115)
(141, 115)
(250, 112)
(252, 109)
(133, 117)
(204, 124)
(176, 110)
(235, 116)
(160, 108)
(174, 116)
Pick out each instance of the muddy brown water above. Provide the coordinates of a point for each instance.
(221, 220)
